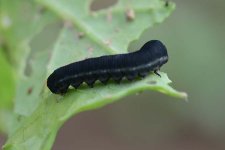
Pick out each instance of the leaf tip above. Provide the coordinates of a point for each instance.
(184, 96)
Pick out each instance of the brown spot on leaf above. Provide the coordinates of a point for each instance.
(29, 90)
(81, 35)
(130, 14)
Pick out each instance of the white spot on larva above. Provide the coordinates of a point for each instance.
(6, 21)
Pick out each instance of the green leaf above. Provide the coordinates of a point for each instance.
(19, 22)
(16, 32)
(100, 35)
(7, 87)
(9, 122)
(29, 89)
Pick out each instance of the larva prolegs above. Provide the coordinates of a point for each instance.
(143, 74)
(155, 72)
(90, 83)
(104, 79)
(76, 84)
(131, 76)
(63, 89)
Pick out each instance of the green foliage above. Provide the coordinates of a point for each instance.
(6, 79)
(38, 114)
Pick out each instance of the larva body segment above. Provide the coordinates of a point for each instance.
(149, 58)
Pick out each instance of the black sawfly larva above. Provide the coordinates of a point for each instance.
(150, 57)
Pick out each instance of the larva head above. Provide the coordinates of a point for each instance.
(51, 83)
(54, 84)
(157, 51)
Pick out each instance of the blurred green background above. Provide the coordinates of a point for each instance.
(194, 35)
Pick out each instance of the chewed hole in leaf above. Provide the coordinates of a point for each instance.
(102, 4)
(46, 38)
(28, 68)
(134, 46)
(41, 43)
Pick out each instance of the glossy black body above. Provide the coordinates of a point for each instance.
(139, 63)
